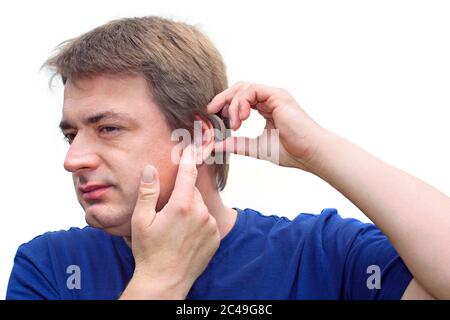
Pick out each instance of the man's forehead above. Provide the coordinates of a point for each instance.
(100, 93)
(104, 84)
(104, 91)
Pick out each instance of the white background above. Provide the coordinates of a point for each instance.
(375, 72)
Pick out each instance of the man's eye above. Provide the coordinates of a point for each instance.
(68, 137)
(109, 129)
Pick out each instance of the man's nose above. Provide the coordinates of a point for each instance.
(80, 156)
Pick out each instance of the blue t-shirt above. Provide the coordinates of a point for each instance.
(263, 257)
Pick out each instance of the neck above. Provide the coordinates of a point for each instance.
(225, 216)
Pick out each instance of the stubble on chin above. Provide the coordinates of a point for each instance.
(116, 222)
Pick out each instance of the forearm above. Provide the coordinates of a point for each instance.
(414, 215)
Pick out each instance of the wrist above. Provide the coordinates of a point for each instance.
(324, 148)
(143, 287)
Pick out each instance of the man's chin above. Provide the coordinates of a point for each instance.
(112, 221)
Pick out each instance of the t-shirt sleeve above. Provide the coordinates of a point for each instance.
(31, 277)
(371, 267)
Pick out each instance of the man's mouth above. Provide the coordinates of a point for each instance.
(93, 191)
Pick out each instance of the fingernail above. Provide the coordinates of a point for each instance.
(149, 174)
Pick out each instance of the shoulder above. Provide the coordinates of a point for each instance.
(326, 232)
(327, 222)
(43, 265)
(65, 241)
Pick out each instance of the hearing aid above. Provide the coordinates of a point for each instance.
(220, 131)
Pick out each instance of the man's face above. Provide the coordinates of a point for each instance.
(115, 130)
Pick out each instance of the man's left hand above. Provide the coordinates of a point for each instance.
(299, 134)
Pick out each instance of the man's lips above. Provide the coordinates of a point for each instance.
(93, 191)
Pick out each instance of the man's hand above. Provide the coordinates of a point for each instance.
(298, 133)
(171, 248)
(413, 215)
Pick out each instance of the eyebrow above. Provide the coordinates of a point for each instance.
(108, 115)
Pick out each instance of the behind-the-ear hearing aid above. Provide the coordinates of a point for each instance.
(220, 132)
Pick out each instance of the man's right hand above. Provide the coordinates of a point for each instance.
(171, 248)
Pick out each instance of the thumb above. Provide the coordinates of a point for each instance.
(145, 208)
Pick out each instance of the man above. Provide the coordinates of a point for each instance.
(158, 228)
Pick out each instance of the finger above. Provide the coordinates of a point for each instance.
(233, 112)
(224, 98)
(265, 114)
(244, 110)
(149, 189)
(237, 102)
(200, 207)
(186, 176)
(258, 96)
(242, 113)
(198, 198)
(225, 112)
(243, 146)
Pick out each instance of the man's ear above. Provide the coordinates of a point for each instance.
(205, 135)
